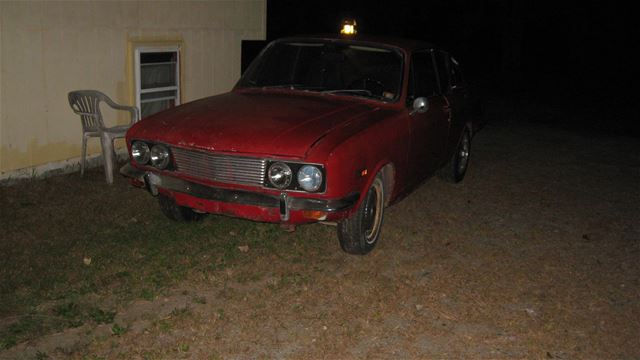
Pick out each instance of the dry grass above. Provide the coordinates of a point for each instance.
(535, 255)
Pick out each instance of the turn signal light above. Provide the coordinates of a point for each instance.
(314, 214)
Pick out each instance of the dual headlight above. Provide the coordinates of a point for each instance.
(158, 155)
(280, 175)
(307, 177)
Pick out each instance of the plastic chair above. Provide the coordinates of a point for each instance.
(86, 103)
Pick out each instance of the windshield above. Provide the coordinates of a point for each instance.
(337, 68)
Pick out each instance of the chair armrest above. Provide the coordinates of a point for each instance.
(132, 109)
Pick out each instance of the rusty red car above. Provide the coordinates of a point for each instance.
(318, 129)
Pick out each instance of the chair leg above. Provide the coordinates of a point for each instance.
(84, 154)
(107, 156)
(115, 154)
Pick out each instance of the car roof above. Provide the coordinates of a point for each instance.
(402, 43)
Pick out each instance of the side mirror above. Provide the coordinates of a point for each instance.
(420, 106)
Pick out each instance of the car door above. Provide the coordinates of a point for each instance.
(429, 130)
(453, 87)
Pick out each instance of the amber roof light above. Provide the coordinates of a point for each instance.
(349, 27)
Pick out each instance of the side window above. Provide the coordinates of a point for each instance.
(422, 79)
(456, 74)
(442, 63)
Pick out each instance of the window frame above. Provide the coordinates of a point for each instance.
(138, 70)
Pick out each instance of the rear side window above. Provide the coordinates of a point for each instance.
(456, 74)
(423, 80)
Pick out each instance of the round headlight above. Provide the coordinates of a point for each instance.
(310, 178)
(280, 175)
(140, 152)
(159, 156)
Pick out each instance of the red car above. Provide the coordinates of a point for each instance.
(318, 129)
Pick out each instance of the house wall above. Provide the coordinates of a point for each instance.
(48, 48)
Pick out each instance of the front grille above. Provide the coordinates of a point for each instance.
(223, 168)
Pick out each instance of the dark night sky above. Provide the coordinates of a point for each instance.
(570, 41)
(573, 49)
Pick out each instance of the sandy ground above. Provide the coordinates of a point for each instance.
(534, 255)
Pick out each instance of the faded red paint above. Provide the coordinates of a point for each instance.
(346, 134)
(276, 122)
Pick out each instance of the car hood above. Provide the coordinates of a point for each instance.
(252, 122)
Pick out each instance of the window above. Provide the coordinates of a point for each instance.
(422, 80)
(157, 79)
(457, 79)
(367, 71)
(442, 63)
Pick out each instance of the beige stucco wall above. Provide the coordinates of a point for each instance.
(49, 48)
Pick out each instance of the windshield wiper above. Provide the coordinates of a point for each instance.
(364, 92)
(284, 86)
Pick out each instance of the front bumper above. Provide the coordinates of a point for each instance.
(283, 203)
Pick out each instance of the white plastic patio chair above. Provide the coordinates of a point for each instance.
(86, 103)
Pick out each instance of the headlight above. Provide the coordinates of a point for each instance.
(140, 152)
(159, 156)
(310, 178)
(280, 175)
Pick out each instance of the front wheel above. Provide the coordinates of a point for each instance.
(359, 233)
(176, 212)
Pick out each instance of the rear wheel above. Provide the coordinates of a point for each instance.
(176, 212)
(359, 233)
(455, 169)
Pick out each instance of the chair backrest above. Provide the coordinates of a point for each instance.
(86, 103)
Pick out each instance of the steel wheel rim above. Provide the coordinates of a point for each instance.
(373, 212)
(463, 153)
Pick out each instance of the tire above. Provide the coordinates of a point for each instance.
(176, 212)
(455, 169)
(359, 233)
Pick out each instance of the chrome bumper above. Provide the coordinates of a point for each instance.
(284, 202)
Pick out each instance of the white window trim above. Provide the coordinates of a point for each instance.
(139, 90)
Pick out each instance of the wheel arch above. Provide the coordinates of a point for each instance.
(388, 172)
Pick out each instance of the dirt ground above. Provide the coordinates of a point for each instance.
(534, 255)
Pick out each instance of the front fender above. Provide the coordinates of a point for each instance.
(363, 149)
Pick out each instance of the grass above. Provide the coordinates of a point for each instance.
(27, 326)
(67, 239)
(118, 330)
(65, 315)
